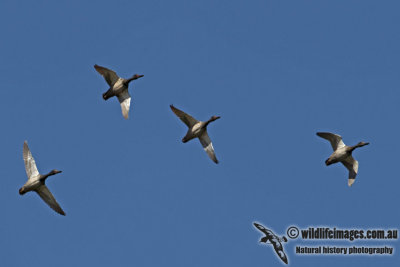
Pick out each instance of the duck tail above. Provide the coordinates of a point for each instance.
(107, 95)
(327, 163)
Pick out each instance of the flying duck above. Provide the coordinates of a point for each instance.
(36, 181)
(342, 153)
(197, 129)
(118, 88)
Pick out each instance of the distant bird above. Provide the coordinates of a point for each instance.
(342, 153)
(118, 88)
(273, 240)
(197, 129)
(36, 181)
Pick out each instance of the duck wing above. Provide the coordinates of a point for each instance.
(30, 164)
(352, 165)
(109, 75)
(47, 197)
(124, 99)
(207, 145)
(186, 118)
(334, 139)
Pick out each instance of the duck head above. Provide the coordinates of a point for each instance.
(137, 76)
(214, 118)
(53, 172)
(134, 77)
(360, 144)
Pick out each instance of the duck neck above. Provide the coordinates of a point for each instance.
(208, 122)
(127, 81)
(351, 148)
(45, 176)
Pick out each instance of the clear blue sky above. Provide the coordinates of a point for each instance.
(275, 71)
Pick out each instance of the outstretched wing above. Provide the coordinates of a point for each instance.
(334, 139)
(109, 75)
(47, 197)
(30, 165)
(281, 253)
(186, 118)
(207, 145)
(352, 165)
(262, 228)
(124, 99)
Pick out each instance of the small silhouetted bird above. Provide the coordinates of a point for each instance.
(273, 240)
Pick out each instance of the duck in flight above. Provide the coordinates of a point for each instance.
(273, 240)
(118, 88)
(342, 153)
(36, 181)
(197, 129)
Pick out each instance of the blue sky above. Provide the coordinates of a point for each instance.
(275, 71)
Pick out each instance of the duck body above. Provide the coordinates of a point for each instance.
(30, 186)
(339, 155)
(35, 182)
(118, 88)
(194, 132)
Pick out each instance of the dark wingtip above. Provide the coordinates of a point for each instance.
(258, 226)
